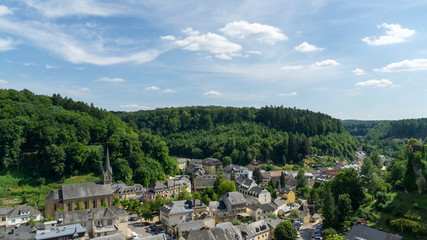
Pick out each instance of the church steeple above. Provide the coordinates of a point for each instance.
(107, 173)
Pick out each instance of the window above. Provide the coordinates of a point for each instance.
(69, 207)
(86, 205)
(110, 222)
(54, 207)
(94, 204)
(3, 219)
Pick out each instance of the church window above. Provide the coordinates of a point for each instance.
(94, 203)
(86, 205)
(69, 207)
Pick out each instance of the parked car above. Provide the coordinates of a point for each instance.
(132, 219)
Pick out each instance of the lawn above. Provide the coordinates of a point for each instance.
(16, 189)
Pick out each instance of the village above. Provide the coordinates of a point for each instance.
(90, 210)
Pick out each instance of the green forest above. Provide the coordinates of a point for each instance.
(240, 135)
(55, 137)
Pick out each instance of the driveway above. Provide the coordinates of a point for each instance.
(306, 231)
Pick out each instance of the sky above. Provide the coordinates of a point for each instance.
(350, 59)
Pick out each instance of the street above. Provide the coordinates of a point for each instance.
(307, 230)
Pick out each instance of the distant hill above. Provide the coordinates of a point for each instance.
(242, 134)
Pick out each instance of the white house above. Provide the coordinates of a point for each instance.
(22, 214)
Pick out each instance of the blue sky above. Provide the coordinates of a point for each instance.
(349, 59)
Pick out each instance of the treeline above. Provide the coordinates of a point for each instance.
(406, 128)
(54, 137)
(239, 135)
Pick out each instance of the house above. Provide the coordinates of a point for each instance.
(117, 236)
(123, 191)
(287, 194)
(232, 172)
(22, 214)
(272, 224)
(87, 195)
(198, 206)
(261, 211)
(243, 184)
(176, 212)
(160, 236)
(321, 178)
(224, 216)
(200, 182)
(215, 233)
(265, 177)
(182, 163)
(258, 230)
(74, 231)
(304, 213)
(280, 204)
(4, 214)
(185, 227)
(233, 230)
(167, 189)
(97, 221)
(360, 231)
(275, 176)
(262, 195)
(18, 233)
(234, 202)
(210, 165)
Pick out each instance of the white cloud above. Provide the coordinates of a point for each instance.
(358, 72)
(307, 47)
(48, 66)
(74, 48)
(6, 44)
(3, 81)
(111, 80)
(212, 93)
(260, 32)
(83, 89)
(405, 65)
(293, 68)
(211, 42)
(253, 52)
(288, 94)
(64, 8)
(152, 88)
(394, 34)
(135, 107)
(5, 10)
(375, 83)
(326, 63)
(168, 37)
(167, 90)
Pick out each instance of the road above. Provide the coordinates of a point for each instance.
(306, 231)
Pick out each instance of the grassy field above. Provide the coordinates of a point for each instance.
(411, 206)
(16, 189)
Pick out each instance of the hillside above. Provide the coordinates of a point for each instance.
(55, 137)
(240, 135)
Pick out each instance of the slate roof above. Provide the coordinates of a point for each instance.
(176, 207)
(161, 236)
(235, 198)
(188, 226)
(6, 211)
(84, 190)
(253, 229)
(59, 232)
(251, 200)
(21, 233)
(230, 228)
(117, 236)
(233, 168)
(265, 207)
(282, 190)
(214, 233)
(303, 208)
(19, 210)
(279, 202)
(360, 231)
(85, 215)
(272, 223)
(257, 190)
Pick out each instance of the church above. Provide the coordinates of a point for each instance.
(89, 195)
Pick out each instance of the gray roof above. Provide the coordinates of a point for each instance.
(272, 223)
(251, 200)
(359, 231)
(107, 163)
(234, 198)
(282, 190)
(257, 190)
(279, 202)
(303, 208)
(233, 168)
(83, 190)
(176, 207)
(182, 160)
(21, 233)
(214, 233)
(117, 236)
(18, 211)
(80, 216)
(57, 194)
(253, 229)
(5, 211)
(230, 228)
(161, 236)
(193, 225)
(214, 205)
(58, 232)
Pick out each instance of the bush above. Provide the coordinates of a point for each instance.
(405, 225)
(368, 197)
(362, 213)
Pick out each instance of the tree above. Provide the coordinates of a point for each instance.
(219, 179)
(348, 181)
(285, 231)
(226, 161)
(376, 160)
(256, 175)
(79, 206)
(301, 179)
(367, 171)
(344, 206)
(226, 186)
(184, 194)
(329, 207)
(282, 180)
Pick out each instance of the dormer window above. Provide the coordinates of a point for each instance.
(24, 212)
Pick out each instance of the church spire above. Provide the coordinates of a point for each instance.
(107, 174)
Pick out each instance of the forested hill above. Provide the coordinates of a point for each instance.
(406, 128)
(54, 137)
(240, 135)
